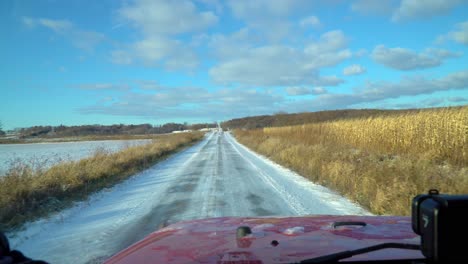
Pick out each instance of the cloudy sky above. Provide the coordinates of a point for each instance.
(155, 61)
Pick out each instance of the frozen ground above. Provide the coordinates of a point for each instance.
(216, 177)
(50, 153)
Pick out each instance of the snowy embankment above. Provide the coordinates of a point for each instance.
(216, 177)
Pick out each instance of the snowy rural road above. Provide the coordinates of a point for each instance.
(216, 177)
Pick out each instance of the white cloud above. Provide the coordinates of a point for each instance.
(377, 91)
(459, 35)
(354, 69)
(457, 99)
(274, 20)
(216, 4)
(295, 90)
(190, 102)
(329, 41)
(85, 40)
(427, 102)
(311, 21)
(256, 68)
(155, 48)
(173, 53)
(234, 45)
(161, 22)
(275, 31)
(373, 7)
(121, 57)
(417, 9)
(267, 9)
(406, 59)
(328, 81)
(360, 53)
(405, 10)
(107, 99)
(298, 90)
(329, 50)
(104, 86)
(319, 90)
(148, 85)
(331, 80)
(156, 17)
(442, 53)
(57, 25)
(292, 66)
(28, 22)
(433, 102)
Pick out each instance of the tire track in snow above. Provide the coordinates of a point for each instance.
(297, 206)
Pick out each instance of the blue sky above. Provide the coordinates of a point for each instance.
(106, 62)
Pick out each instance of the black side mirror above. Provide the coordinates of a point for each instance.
(440, 220)
(4, 245)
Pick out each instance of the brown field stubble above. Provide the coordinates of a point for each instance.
(28, 192)
(379, 162)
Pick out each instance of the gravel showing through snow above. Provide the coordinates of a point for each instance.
(216, 177)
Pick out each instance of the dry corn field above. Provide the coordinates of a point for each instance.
(379, 162)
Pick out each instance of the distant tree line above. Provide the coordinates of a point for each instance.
(2, 133)
(285, 119)
(118, 129)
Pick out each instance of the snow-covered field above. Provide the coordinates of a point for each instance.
(48, 154)
(216, 177)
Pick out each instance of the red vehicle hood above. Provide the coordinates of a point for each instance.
(299, 238)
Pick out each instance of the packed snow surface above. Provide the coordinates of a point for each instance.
(216, 177)
(47, 154)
